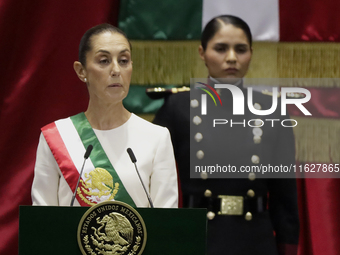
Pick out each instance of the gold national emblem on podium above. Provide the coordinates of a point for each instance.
(111, 228)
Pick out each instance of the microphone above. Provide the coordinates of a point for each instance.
(86, 155)
(134, 160)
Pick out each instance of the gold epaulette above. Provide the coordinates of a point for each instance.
(269, 93)
(289, 95)
(159, 92)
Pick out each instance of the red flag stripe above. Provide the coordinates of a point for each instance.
(62, 157)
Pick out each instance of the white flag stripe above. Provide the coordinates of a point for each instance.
(73, 144)
(262, 16)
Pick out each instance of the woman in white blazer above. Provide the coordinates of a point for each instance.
(105, 66)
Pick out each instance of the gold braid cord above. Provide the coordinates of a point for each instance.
(317, 140)
(175, 62)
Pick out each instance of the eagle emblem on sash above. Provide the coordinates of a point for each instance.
(98, 186)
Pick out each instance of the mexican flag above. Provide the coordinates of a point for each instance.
(269, 20)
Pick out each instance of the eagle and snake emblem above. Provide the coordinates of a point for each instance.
(117, 230)
(98, 186)
(111, 228)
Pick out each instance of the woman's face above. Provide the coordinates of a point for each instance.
(108, 67)
(228, 53)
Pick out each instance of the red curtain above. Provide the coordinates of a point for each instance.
(319, 221)
(309, 20)
(319, 198)
(324, 103)
(39, 43)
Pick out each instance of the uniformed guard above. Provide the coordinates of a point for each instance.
(247, 214)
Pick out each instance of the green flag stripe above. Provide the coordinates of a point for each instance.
(98, 155)
(173, 20)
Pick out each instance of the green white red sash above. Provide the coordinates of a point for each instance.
(68, 139)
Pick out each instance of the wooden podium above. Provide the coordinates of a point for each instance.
(53, 230)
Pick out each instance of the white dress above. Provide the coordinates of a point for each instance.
(153, 150)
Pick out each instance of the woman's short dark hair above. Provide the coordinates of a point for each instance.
(85, 42)
(215, 24)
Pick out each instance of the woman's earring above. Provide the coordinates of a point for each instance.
(85, 80)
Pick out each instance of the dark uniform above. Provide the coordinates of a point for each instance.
(267, 205)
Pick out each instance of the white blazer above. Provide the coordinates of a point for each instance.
(152, 147)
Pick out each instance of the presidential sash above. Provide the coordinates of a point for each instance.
(68, 139)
